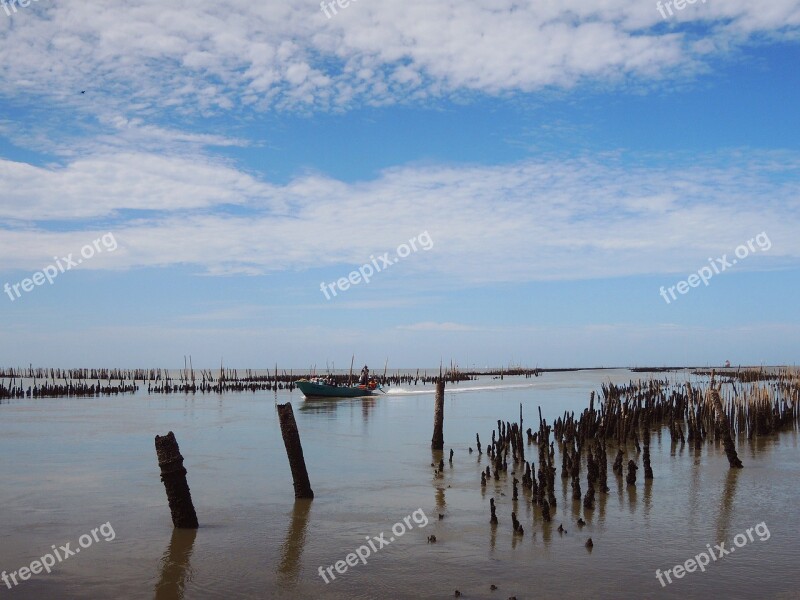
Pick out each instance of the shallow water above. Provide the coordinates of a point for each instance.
(72, 464)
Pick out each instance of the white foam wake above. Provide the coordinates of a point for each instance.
(456, 389)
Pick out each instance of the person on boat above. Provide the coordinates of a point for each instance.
(364, 376)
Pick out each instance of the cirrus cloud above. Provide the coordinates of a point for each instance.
(589, 217)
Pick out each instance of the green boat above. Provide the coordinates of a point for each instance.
(320, 389)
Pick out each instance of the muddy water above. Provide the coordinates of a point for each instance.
(71, 465)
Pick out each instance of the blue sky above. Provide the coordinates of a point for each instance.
(564, 159)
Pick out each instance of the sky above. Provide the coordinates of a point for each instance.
(579, 183)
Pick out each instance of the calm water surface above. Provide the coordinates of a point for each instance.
(70, 465)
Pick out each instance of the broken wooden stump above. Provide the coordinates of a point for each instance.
(173, 475)
(603, 468)
(648, 471)
(515, 524)
(617, 468)
(545, 512)
(588, 499)
(632, 468)
(576, 488)
(294, 451)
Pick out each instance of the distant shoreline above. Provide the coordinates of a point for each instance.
(488, 371)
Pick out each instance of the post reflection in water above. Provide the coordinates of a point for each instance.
(176, 569)
(726, 504)
(576, 508)
(547, 533)
(695, 490)
(292, 548)
(632, 497)
(601, 503)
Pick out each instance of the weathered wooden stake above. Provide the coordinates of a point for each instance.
(173, 474)
(437, 442)
(294, 450)
(632, 468)
(724, 426)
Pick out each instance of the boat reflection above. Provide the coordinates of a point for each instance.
(331, 406)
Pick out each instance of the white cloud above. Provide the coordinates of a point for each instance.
(583, 218)
(203, 55)
(98, 185)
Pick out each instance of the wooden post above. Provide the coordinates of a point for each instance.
(294, 450)
(648, 470)
(173, 474)
(724, 426)
(350, 379)
(632, 468)
(437, 442)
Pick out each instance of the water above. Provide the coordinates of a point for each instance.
(73, 464)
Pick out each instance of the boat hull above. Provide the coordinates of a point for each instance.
(320, 390)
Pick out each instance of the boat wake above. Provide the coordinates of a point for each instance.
(457, 389)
